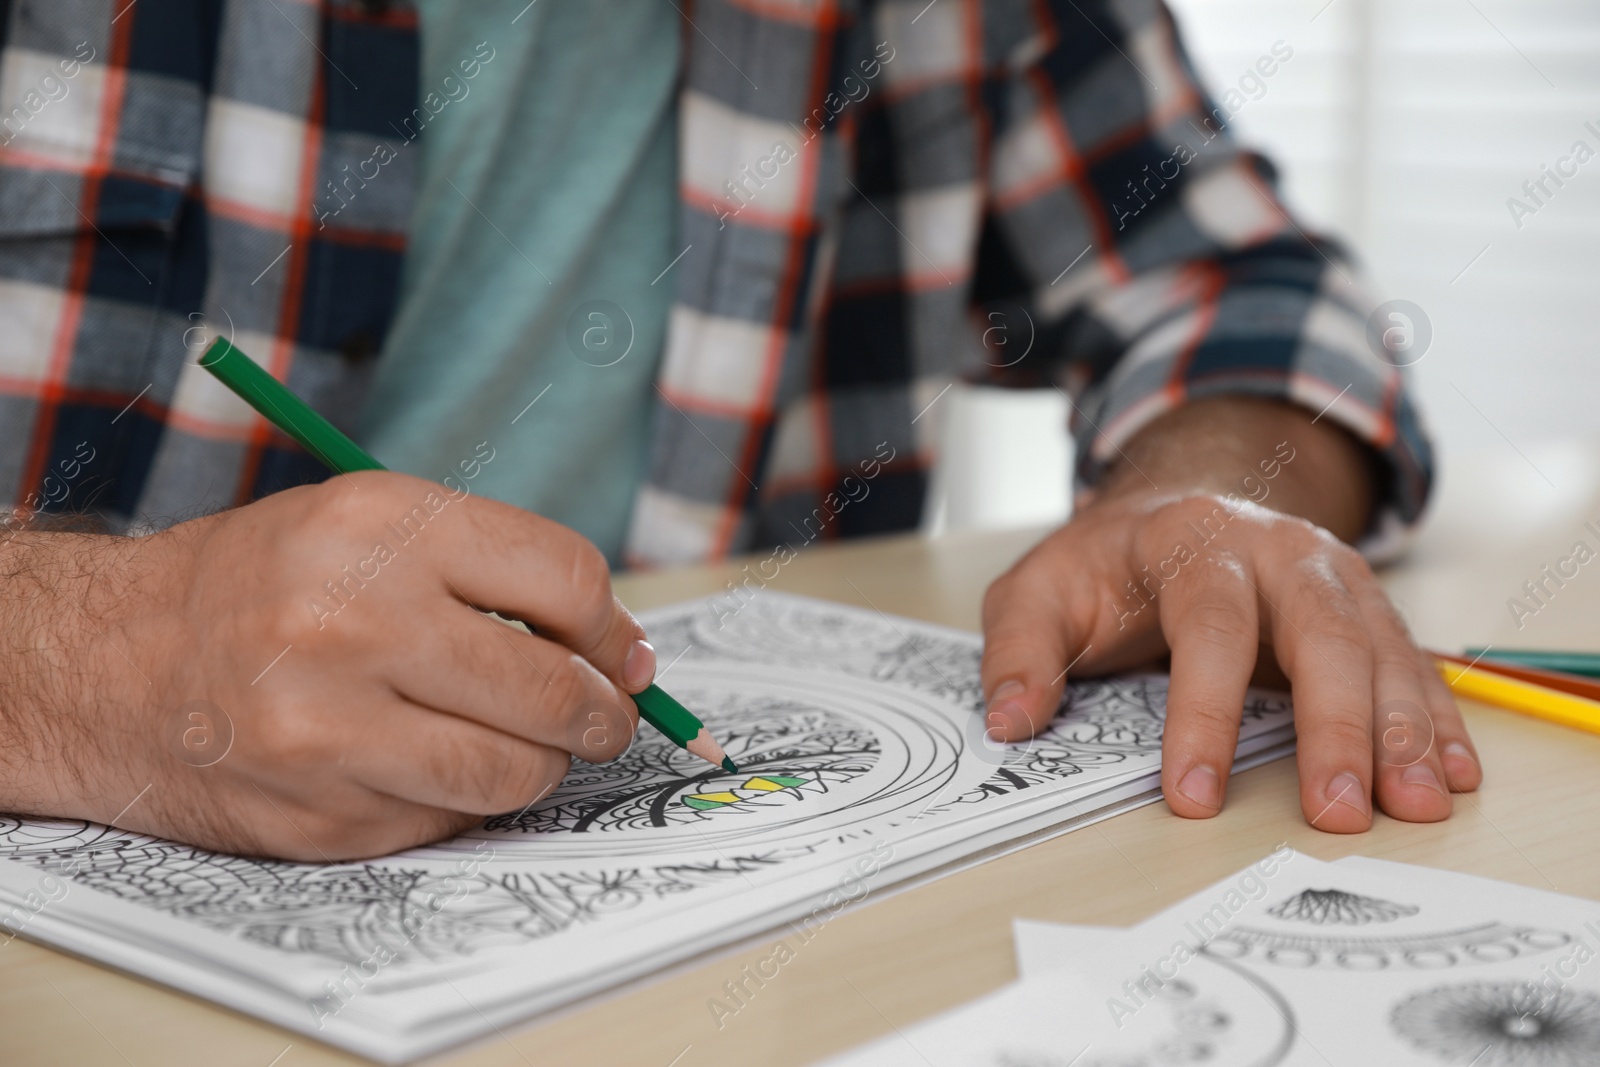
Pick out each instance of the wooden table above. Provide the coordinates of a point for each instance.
(903, 956)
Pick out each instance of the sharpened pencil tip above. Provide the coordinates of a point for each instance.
(705, 746)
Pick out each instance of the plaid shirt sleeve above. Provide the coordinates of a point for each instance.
(1154, 256)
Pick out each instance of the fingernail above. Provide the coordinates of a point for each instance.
(1008, 688)
(1421, 774)
(1460, 751)
(1202, 786)
(1347, 789)
(1004, 707)
(640, 666)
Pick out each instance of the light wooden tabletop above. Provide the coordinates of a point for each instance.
(900, 957)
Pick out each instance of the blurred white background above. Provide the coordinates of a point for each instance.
(1402, 127)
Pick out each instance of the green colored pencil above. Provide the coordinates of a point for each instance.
(1584, 663)
(275, 403)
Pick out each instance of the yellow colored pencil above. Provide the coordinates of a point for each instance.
(1552, 705)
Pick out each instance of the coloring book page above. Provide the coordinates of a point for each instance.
(1295, 962)
(862, 764)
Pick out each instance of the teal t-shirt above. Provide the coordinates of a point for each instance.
(546, 207)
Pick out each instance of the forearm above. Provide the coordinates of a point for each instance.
(57, 638)
(1228, 444)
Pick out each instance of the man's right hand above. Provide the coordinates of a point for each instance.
(327, 639)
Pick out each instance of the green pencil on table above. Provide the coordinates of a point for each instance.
(275, 403)
(1584, 663)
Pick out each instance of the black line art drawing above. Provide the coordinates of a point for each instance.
(824, 709)
(811, 772)
(344, 911)
(1281, 1009)
(776, 629)
(851, 731)
(1102, 723)
(818, 756)
(1225, 1015)
(1325, 907)
(1491, 942)
(649, 828)
(1502, 1024)
(789, 750)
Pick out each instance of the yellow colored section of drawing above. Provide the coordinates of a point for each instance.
(715, 798)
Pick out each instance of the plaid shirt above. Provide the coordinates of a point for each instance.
(874, 196)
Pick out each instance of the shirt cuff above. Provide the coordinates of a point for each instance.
(1260, 333)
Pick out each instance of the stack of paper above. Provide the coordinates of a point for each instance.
(1294, 962)
(863, 763)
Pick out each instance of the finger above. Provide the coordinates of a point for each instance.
(1462, 767)
(1211, 624)
(1322, 644)
(358, 824)
(1409, 782)
(513, 562)
(1026, 650)
(467, 664)
(441, 761)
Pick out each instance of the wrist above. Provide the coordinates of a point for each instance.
(1269, 453)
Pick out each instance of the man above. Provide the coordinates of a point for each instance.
(675, 285)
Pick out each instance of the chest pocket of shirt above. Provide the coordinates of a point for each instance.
(83, 146)
(150, 182)
(94, 167)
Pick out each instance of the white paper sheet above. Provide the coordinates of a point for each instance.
(863, 765)
(1296, 962)
(1043, 947)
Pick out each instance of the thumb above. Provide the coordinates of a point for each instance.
(1026, 649)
